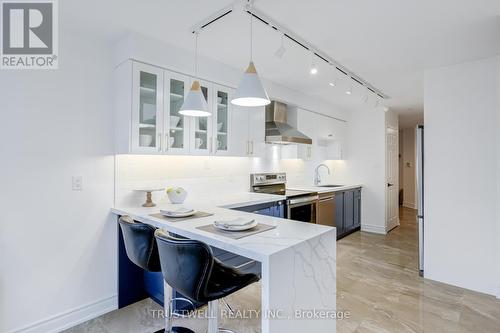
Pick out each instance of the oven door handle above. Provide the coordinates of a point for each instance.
(306, 200)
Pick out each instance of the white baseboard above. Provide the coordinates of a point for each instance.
(390, 227)
(410, 205)
(373, 229)
(71, 317)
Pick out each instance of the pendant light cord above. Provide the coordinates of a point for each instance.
(251, 36)
(196, 54)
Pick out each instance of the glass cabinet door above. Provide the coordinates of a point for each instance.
(177, 136)
(147, 108)
(202, 140)
(221, 120)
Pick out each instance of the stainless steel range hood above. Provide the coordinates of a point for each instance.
(278, 131)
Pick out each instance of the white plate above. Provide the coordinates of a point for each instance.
(236, 224)
(178, 213)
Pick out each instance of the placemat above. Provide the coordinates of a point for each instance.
(197, 215)
(237, 234)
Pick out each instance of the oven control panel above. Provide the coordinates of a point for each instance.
(267, 178)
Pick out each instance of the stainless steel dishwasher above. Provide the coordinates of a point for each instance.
(326, 209)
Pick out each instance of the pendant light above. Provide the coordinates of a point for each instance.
(195, 104)
(250, 92)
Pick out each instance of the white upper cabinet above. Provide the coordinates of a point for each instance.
(328, 137)
(221, 120)
(307, 123)
(201, 137)
(176, 134)
(248, 134)
(147, 109)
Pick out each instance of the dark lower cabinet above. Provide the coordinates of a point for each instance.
(348, 212)
(357, 208)
(339, 213)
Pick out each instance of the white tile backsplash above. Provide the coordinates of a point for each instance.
(205, 175)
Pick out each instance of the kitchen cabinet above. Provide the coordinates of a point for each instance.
(275, 209)
(248, 133)
(176, 137)
(357, 208)
(347, 211)
(339, 213)
(147, 109)
(307, 123)
(328, 136)
(147, 119)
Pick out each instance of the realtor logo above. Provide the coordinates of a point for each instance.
(29, 34)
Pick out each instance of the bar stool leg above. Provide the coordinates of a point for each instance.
(213, 316)
(167, 306)
(167, 310)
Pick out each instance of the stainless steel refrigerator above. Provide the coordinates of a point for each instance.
(420, 196)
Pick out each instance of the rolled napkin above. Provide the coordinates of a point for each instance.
(234, 222)
(177, 211)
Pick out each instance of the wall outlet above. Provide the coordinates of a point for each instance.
(77, 183)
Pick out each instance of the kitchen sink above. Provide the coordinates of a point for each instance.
(330, 185)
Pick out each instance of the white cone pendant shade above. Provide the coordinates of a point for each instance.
(195, 104)
(250, 92)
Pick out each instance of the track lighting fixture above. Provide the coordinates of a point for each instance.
(281, 51)
(314, 69)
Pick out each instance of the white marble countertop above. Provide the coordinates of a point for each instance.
(287, 233)
(320, 189)
(298, 259)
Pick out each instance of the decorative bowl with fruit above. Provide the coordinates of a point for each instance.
(176, 195)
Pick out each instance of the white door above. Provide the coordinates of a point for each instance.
(240, 144)
(147, 109)
(221, 120)
(256, 131)
(307, 124)
(392, 174)
(201, 138)
(176, 125)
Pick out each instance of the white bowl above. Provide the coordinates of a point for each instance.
(176, 195)
(174, 121)
(145, 140)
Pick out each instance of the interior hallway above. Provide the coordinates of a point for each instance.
(378, 284)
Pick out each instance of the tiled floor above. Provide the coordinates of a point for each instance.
(378, 284)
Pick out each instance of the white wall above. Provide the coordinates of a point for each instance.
(461, 175)
(366, 164)
(408, 180)
(57, 245)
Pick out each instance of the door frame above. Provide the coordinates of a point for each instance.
(389, 223)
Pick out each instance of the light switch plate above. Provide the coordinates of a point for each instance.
(77, 183)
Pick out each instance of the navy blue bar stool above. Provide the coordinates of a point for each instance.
(190, 267)
(142, 250)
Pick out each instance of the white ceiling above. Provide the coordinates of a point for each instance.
(389, 43)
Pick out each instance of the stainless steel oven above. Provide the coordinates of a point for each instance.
(300, 205)
(302, 208)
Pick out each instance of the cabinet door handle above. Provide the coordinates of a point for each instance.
(251, 142)
(248, 147)
(167, 142)
(159, 143)
(210, 145)
(216, 147)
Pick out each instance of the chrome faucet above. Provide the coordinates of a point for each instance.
(317, 178)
